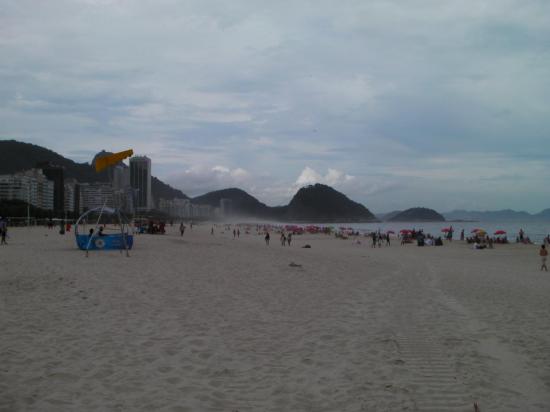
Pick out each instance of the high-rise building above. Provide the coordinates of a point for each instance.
(121, 177)
(140, 180)
(73, 196)
(96, 195)
(55, 174)
(70, 195)
(201, 211)
(123, 192)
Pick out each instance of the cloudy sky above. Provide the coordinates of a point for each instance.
(396, 103)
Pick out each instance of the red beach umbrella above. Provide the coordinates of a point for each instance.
(446, 230)
(405, 231)
(500, 232)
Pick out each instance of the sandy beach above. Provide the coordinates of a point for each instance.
(212, 323)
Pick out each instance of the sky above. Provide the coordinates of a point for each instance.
(397, 104)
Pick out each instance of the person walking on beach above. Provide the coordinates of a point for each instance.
(543, 253)
(283, 239)
(289, 238)
(238, 233)
(212, 230)
(3, 232)
(182, 229)
(266, 238)
(388, 239)
(373, 235)
(462, 235)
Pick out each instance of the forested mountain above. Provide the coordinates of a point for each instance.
(242, 204)
(17, 156)
(323, 203)
(312, 203)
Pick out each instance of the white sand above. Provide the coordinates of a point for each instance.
(208, 323)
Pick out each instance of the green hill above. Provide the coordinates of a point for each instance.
(242, 204)
(417, 214)
(17, 156)
(324, 204)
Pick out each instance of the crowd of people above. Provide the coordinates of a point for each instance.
(479, 239)
(151, 227)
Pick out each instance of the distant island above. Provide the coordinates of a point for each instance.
(496, 216)
(499, 216)
(416, 214)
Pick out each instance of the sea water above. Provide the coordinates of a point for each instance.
(536, 231)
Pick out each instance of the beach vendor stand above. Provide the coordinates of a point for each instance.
(95, 238)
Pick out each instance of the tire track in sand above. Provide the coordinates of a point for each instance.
(426, 334)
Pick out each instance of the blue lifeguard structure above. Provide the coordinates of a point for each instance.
(95, 238)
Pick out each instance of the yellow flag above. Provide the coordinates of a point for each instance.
(109, 160)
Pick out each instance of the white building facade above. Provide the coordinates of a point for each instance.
(179, 208)
(30, 186)
(96, 195)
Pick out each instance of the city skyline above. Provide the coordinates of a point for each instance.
(449, 111)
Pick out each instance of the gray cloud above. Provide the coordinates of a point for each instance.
(385, 91)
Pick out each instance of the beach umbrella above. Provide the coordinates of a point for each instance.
(390, 232)
(481, 232)
(446, 230)
(500, 232)
(475, 230)
(405, 231)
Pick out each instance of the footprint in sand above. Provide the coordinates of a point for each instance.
(326, 337)
(173, 380)
(64, 377)
(164, 369)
